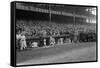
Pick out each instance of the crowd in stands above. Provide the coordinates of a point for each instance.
(44, 30)
(38, 28)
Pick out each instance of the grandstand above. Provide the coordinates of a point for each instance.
(54, 19)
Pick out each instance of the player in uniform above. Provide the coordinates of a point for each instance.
(23, 44)
(52, 41)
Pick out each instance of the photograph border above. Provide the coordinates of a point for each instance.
(13, 32)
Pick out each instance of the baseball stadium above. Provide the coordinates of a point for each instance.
(54, 33)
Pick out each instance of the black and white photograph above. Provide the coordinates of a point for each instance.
(47, 33)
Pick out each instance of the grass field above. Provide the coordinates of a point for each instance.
(74, 52)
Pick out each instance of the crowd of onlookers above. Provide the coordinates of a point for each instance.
(33, 33)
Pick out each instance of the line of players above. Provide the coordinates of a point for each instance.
(51, 41)
(21, 41)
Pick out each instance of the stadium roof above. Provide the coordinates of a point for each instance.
(77, 11)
